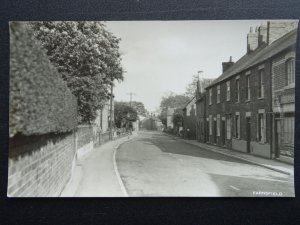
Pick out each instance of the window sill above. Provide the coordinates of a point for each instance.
(289, 86)
(261, 98)
(248, 100)
(261, 142)
(236, 138)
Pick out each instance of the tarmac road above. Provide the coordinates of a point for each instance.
(155, 164)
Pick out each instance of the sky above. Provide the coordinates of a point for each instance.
(162, 56)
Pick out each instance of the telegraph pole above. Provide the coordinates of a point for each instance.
(131, 94)
(111, 112)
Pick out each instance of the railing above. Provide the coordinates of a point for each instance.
(101, 138)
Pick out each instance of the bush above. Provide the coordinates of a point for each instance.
(40, 101)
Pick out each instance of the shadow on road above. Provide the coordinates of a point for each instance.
(176, 146)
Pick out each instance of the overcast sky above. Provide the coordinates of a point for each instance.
(162, 56)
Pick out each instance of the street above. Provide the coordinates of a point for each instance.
(156, 164)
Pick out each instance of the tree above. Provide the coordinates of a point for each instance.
(124, 114)
(87, 56)
(139, 107)
(171, 100)
(192, 87)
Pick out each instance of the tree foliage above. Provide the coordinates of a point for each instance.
(124, 113)
(139, 107)
(192, 87)
(87, 56)
(171, 100)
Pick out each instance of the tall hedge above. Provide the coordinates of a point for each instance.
(40, 101)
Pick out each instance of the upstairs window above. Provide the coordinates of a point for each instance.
(237, 90)
(261, 84)
(228, 90)
(218, 94)
(290, 71)
(210, 96)
(248, 93)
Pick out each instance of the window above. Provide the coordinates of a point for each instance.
(210, 96)
(228, 127)
(261, 85)
(210, 124)
(290, 71)
(228, 90)
(237, 90)
(237, 126)
(248, 87)
(261, 127)
(218, 94)
(288, 129)
(218, 124)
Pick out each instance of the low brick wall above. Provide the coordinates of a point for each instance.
(84, 137)
(40, 166)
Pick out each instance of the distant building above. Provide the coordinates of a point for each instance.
(151, 123)
(201, 124)
(170, 113)
(189, 119)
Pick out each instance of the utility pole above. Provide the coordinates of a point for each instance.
(130, 94)
(111, 112)
(201, 80)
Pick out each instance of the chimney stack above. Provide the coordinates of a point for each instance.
(227, 65)
(252, 40)
(277, 29)
(262, 34)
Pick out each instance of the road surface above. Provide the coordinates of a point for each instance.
(156, 164)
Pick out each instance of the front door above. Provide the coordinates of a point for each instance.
(215, 131)
(223, 132)
(277, 138)
(248, 131)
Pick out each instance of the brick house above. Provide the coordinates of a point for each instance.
(201, 124)
(283, 99)
(189, 119)
(239, 112)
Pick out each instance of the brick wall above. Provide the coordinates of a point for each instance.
(40, 166)
(225, 108)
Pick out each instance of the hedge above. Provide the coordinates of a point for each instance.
(40, 101)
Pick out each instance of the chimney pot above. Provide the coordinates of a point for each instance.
(227, 65)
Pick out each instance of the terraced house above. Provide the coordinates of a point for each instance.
(250, 107)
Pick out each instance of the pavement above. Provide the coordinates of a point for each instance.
(96, 174)
(266, 163)
(155, 164)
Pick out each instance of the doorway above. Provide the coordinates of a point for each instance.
(277, 138)
(223, 133)
(215, 131)
(248, 133)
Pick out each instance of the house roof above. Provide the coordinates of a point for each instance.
(258, 56)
